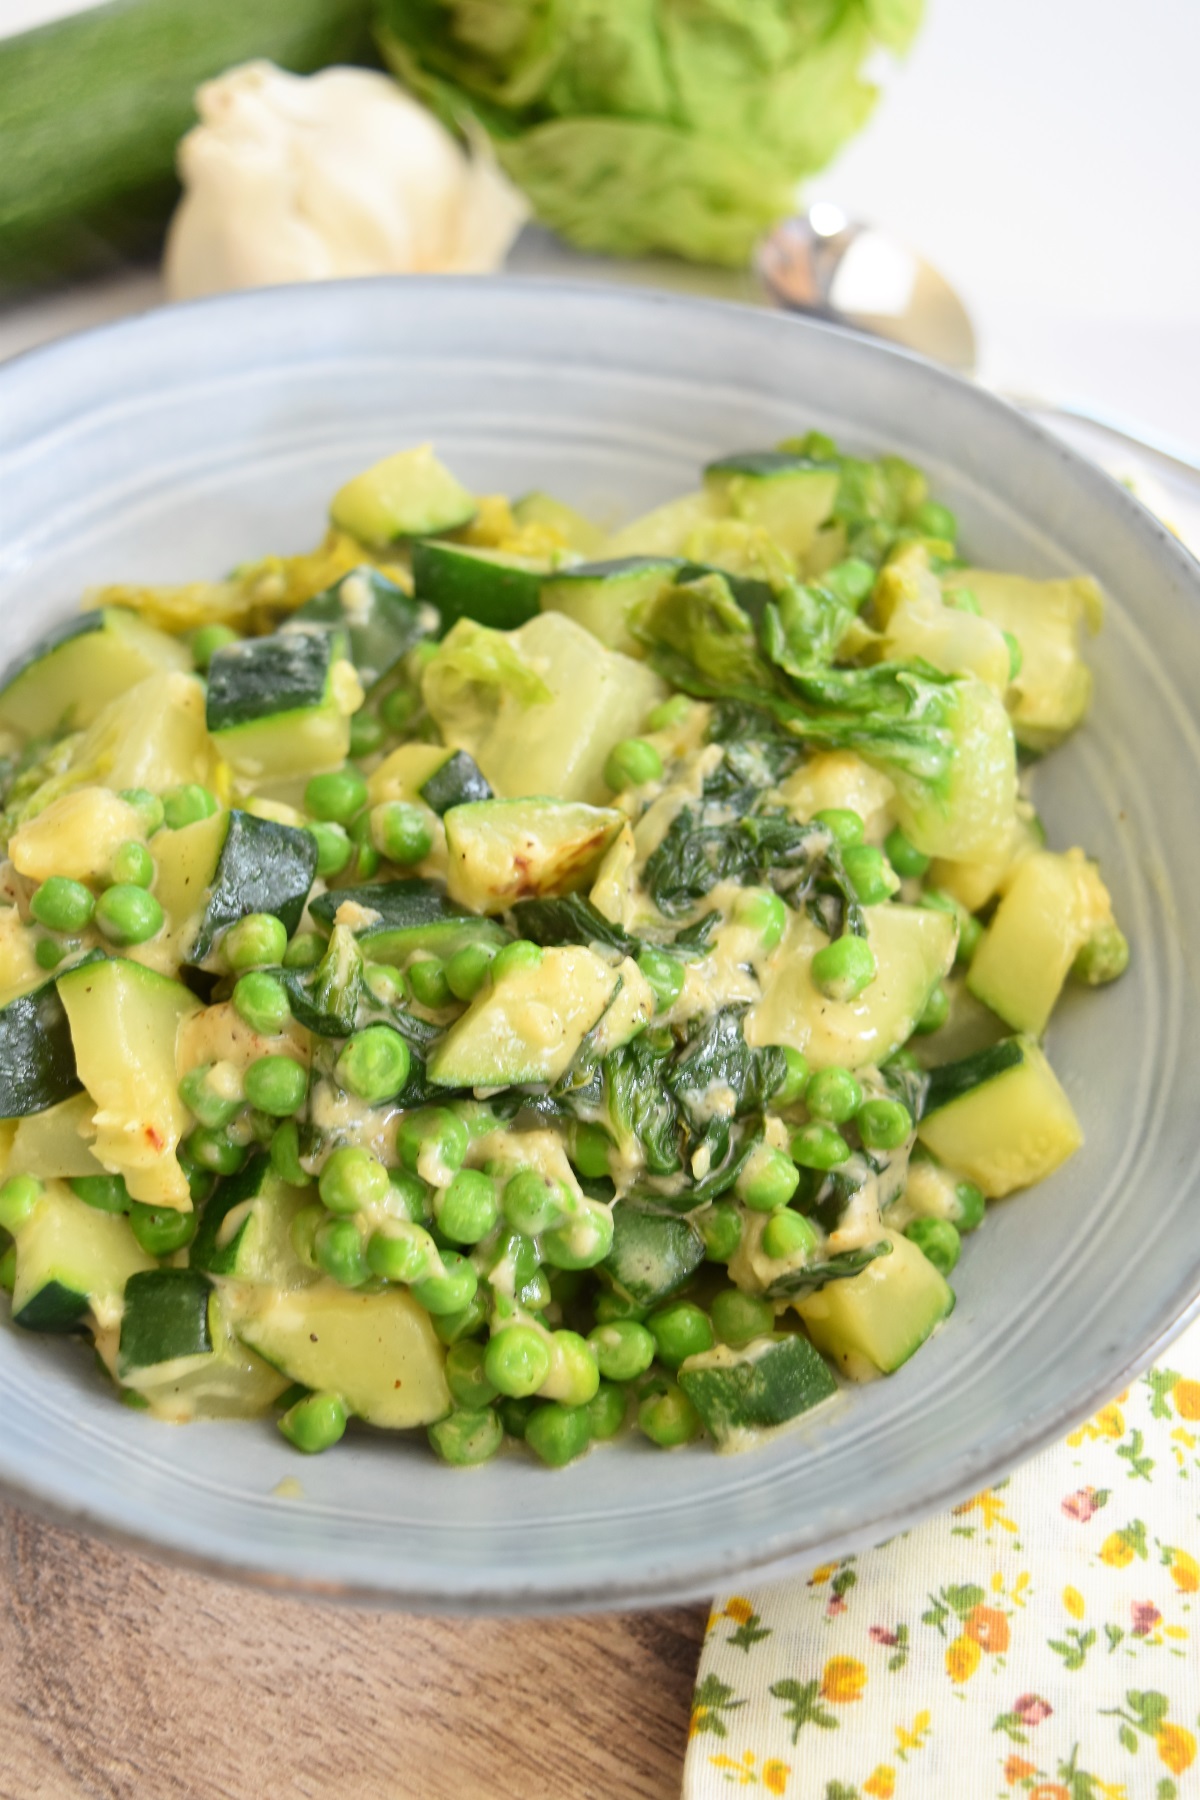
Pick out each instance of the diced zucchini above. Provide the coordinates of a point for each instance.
(791, 497)
(215, 872)
(528, 1025)
(881, 1316)
(1051, 692)
(464, 583)
(652, 1254)
(607, 597)
(410, 917)
(378, 1351)
(77, 835)
(455, 782)
(124, 1020)
(666, 530)
(1001, 1117)
(56, 1144)
(226, 1381)
(37, 1058)
(72, 1259)
(739, 1393)
(20, 971)
(276, 705)
(629, 1011)
(380, 622)
(1052, 906)
(914, 947)
(840, 779)
(407, 495)
(165, 1318)
(245, 1229)
(919, 625)
(64, 681)
(403, 773)
(501, 851)
(576, 532)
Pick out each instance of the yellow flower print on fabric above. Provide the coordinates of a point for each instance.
(1176, 1746)
(1109, 1422)
(963, 1657)
(991, 1506)
(843, 1680)
(1074, 1602)
(912, 1737)
(881, 1782)
(1185, 1397)
(1185, 1570)
(744, 1772)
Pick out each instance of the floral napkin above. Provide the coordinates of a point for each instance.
(1042, 1639)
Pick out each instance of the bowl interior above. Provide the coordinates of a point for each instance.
(173, 447)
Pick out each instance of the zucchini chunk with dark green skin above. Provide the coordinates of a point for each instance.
(259, 678)
(71, 1259)
(497, 590)
(259, 1248)
(951, 1081)
(755, 1388)
(264, 867)
(606, 598)
(458, 782)
(381, 622)
(652, 1254)
(71, 674)
(166, 1316)
(37, 1060)
(413, 914)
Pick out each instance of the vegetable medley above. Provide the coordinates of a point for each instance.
(496, 978)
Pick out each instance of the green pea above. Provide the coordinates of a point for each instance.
(305, 950)
(818, 1146)
(366, 733)
(261, 1000)
(402, 1251)
(276, 1085)
(795, 1078)
(433, 1136)
(18, 1198)
(818, 445)
(467, 1211)
(935, 1012)
(467, 1437)
(971, 1205)
(904, 857)
(401, 832)
(466, 1377)
(128, 914)
(739, 1318)
(315, 1423)
(606, 1412)
(256, 941)
(938, 1240)
(935, 521)
(213, 1150)
(467, 971)
(721, 1229)
(517, 1360)
(768, 1179)
(665, 974)
(590, 1150)
(339, 1251)
(669, 713)
(334, 848)
(464, 1321)
(408, 1197)
(353, 1180)
(608, 1307)
(106, 1193)
(631, 764)
(902, 1062)
(870, 875)
(61, 904)
(161, 1230)
(534, 1203)
(584, 1240)
(385, 984)
(845, 826)
(883, 1124)
(47, 954)
(969, 933)
(844, 968)
(520, 954)
(374, 1064)
(450, 1292)
(574, 1374)
(557, 1434)
(761, 911)
(187, 805)
(668, 1418)
(285, 1155)
(206, 640)
(132, 865)
(787, 1233)
(336, 796)
(427, 979)
(514, 1415)
(397, 708)
(623, 1349)
(680, 1330)
(148, 807)
(833, 1094)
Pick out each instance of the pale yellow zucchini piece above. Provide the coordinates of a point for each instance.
(1053, 904)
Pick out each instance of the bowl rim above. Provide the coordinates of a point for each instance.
(964, 1475)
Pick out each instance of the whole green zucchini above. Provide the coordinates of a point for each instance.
(92, 107)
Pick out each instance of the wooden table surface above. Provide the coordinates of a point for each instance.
(123, 1678)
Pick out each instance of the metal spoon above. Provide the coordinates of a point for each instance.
(837, 268)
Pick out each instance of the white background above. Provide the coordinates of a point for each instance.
(1045, 154)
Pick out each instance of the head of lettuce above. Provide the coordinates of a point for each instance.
(640, 125)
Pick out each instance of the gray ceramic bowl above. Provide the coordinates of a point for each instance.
(175, 445)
